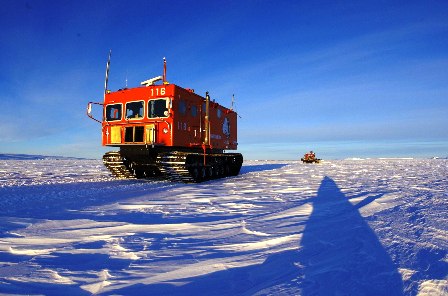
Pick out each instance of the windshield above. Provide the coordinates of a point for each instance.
(113, 112)
(157, 108)
(134, 110)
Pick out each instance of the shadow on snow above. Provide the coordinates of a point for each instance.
(339, 254)
(260, 167)
(63, 201)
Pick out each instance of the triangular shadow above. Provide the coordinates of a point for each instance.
(340, 254)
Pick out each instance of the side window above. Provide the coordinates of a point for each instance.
(182, 107)
(113, 112)
(157, 108)
(226, 127)
(194, 111)
(219, 113)
(134, 110)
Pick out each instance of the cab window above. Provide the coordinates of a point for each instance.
(182, 107)
(113, 112)
(157, 108)
(134, 110)
(194, 111)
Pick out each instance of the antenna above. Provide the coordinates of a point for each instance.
(126, 78)
(107, 73)
(233, 104)
(164, 70)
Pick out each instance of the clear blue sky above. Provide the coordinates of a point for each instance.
(343, 78)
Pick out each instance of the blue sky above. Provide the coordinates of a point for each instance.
(343, 78)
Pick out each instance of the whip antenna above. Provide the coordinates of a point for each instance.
(107, 73)
(164, 70)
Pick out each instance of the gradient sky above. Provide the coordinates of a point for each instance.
(343, 78)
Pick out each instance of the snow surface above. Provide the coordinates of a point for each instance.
(347, 227)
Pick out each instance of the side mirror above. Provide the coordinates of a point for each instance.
(89, 110)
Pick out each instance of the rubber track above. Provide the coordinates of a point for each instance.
(188, 167)
(115, 163)
(178, 166)
(173, 166)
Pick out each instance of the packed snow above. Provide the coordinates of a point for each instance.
(342, 227)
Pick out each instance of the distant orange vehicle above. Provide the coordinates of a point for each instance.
(310, 157)
(166, 130)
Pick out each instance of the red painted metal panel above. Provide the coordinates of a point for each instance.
(182, 125)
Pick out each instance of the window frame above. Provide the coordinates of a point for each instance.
(195, 113)
(126, 109)
(166, 99)
(121, 113)
(182, 107)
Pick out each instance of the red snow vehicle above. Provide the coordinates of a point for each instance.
(166, 130)
(310, 157)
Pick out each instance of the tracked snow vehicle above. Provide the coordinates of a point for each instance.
(164, 130)
(310, 157)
